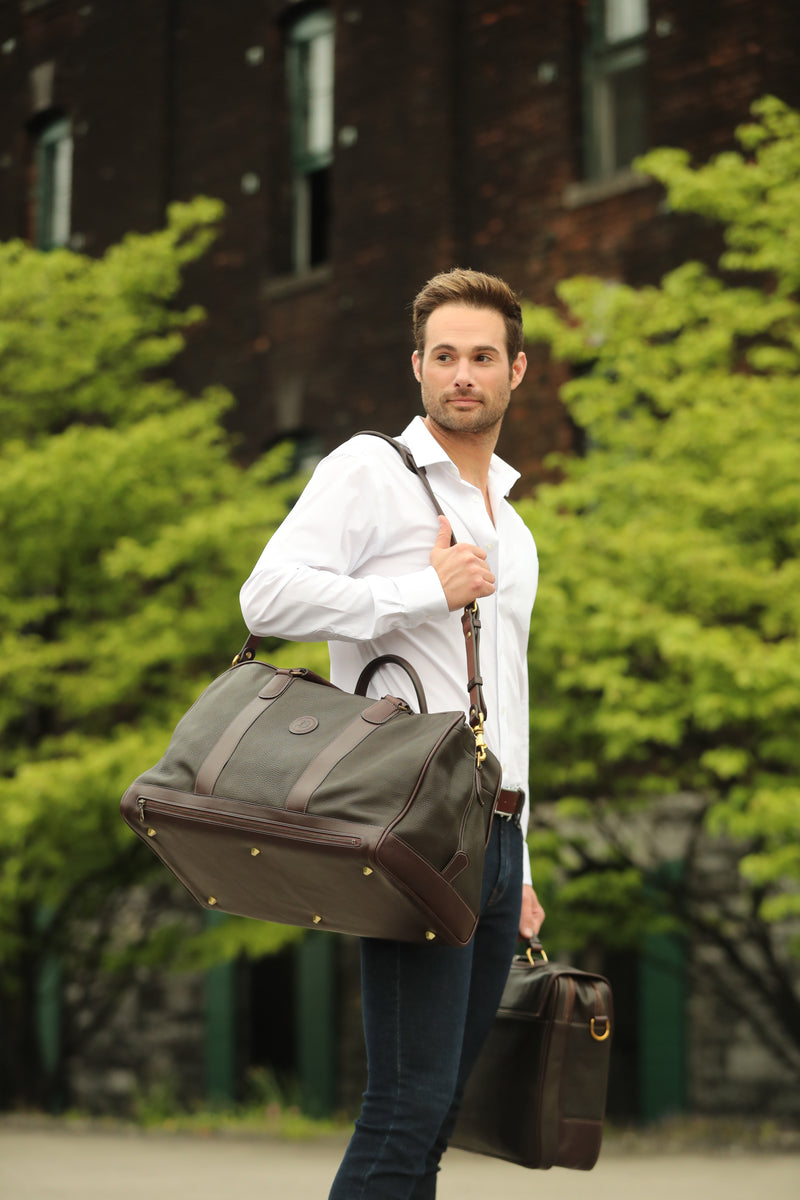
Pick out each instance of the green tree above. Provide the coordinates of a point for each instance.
(665, 650)
(127, 528)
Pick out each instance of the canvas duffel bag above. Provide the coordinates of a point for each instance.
(284, 798)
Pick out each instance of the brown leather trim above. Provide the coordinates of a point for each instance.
(322, 765)
(433, 894)
(219, 755)
(410, 897)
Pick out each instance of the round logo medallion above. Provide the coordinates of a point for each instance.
(303, 725)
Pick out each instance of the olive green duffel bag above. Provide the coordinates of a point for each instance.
(284, 798)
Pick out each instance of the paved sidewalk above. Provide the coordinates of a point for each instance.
(60, 1164)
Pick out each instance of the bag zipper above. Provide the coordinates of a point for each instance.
(234, 821)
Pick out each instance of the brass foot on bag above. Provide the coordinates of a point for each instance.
(317, 918)
(430, 935)
(151, 832)
(366, 870)
(212, 900)
(255, 851)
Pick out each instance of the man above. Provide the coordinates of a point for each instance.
(360, 561)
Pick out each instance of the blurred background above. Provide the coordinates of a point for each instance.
(214, 219)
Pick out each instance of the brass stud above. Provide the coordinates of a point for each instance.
(317, 918)
(212, 900)
(255, 852)
(151, 832)
(430, 935)
(366, 870)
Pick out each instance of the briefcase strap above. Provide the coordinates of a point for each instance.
(470, 624)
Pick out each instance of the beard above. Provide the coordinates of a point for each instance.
(484, 415)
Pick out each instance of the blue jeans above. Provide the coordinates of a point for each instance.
(427, 1011)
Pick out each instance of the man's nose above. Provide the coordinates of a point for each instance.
(463, 376)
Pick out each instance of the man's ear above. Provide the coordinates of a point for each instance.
(415, 367)
(518, 369)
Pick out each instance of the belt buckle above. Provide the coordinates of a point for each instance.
(516, 817)
(512, 818)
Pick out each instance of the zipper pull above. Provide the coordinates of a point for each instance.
(141, 802)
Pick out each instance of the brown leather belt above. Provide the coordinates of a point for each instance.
(510, 804)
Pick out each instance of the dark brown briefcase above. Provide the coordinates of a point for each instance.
(537, 1094)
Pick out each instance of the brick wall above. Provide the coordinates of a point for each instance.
(462, 145)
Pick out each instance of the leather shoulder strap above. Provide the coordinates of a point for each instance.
(410, 462)
(470, 620)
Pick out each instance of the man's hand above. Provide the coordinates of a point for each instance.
(532, 915)
(462, 569)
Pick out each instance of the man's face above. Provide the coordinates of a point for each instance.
(464, 371)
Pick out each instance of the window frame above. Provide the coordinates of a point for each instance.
(310, 165)
(53, 158)
(605, 61)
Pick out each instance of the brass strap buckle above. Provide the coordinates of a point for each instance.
(480, 741)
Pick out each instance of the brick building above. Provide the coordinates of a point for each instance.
(360, 146)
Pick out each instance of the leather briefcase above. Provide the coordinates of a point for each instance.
(537, 1094)
(283, 798)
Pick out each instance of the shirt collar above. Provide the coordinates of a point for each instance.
(427, 453)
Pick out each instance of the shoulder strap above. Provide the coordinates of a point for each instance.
(470, 618)
(410, 462)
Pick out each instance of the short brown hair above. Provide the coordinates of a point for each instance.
(476, 290)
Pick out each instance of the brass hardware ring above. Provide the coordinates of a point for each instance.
(600, 1037)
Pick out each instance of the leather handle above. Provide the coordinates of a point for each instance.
(372, 667)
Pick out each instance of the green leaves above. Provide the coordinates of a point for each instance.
(665, 654)
(80, 336)
(756, 194)
(127, 530)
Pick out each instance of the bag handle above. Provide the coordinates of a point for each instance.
(371, 667)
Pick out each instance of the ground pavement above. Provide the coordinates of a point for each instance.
(61, 1164)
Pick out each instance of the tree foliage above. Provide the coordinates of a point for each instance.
(666, 639)
(127, 528)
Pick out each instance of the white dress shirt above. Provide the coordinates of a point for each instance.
(351, 564)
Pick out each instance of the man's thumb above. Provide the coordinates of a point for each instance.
(444, 536)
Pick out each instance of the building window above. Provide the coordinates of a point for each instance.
(310, 72)
(53, 159)
(615, 86)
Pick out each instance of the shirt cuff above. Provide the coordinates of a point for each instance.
(527, 874)
(422, 597)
